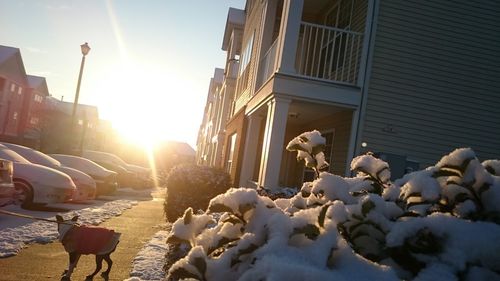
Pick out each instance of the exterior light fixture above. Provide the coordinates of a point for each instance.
(85, 48)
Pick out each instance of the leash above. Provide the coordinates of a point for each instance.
(31, 217)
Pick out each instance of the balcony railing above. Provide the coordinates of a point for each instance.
(329, 53)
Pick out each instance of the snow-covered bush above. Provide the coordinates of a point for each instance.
(310, 147)
(440, 223)
(192, 186)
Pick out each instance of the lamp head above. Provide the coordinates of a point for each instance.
(85, 48)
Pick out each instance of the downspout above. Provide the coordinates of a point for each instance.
(366, 76)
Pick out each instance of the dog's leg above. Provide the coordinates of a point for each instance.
(98, 266)
(73, 260)
(108, 260)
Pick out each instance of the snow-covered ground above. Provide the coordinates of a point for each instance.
(16, 233)
(149, 262)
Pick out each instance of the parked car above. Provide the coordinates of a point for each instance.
(6, 182)
(85, 185)
(35, 183)
(132, 175)
(106, 180)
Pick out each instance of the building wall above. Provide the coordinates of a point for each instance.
(253, 27)
(435, 79)
(236, 125)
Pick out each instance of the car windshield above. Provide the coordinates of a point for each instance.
(8, 154)
(35, 156)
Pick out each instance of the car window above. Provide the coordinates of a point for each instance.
(12, 156)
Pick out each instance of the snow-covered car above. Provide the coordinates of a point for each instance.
(131, 175)
(106, 180)
(85, 184)
(6, 183)
(35, 183)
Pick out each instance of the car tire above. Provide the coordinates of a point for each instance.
(23, 193)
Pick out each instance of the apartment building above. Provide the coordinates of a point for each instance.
(21, 99)
(409, 80)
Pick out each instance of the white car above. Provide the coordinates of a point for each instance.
(141, 176)
(36, 183)
(85, 185)
(106, 180)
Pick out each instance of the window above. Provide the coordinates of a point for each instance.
(333, 50)
(230, 152)
(340, 15)
(19, 90)
(38, 98)
(246, 54)
(14, 115)
(12, 87)
(34, 120)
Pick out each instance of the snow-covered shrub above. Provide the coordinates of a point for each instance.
(436, 224)
(193, 186)
(310, 147)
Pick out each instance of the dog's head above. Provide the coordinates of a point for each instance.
(63, 226)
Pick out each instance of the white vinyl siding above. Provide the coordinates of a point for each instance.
(435, 79)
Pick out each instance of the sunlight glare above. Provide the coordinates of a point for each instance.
(152, 104)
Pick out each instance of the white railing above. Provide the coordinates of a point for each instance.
(267, 65)
(329, 53)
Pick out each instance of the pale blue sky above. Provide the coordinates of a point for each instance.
(150, 60)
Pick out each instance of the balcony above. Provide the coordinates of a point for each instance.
(323, 53)
(329, 53)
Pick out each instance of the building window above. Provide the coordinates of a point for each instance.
(230, 152)
(38, 98)
(244, 73)
(246, 54)
(19, 90)
(34, 120)
(14, 115)
(12, 87)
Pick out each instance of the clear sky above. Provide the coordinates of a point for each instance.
(150, 62)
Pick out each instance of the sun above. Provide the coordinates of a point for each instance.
(145, 104)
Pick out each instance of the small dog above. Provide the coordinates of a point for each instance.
(84, 240)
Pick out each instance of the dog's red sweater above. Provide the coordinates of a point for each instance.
(89, 239)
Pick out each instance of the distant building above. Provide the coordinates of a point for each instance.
(170, 153)
(57, 122)
(21, 99)
(393, 77)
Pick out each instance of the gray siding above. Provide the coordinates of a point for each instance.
(435, 79)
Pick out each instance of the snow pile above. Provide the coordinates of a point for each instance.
(442, 223)
(149, 262)
(12, 240)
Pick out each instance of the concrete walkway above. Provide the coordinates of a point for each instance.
(47, 262)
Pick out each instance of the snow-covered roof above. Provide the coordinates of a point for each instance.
(235, 18)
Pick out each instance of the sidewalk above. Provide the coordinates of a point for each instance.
(47, 262)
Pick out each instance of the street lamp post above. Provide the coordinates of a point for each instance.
(85, 50)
